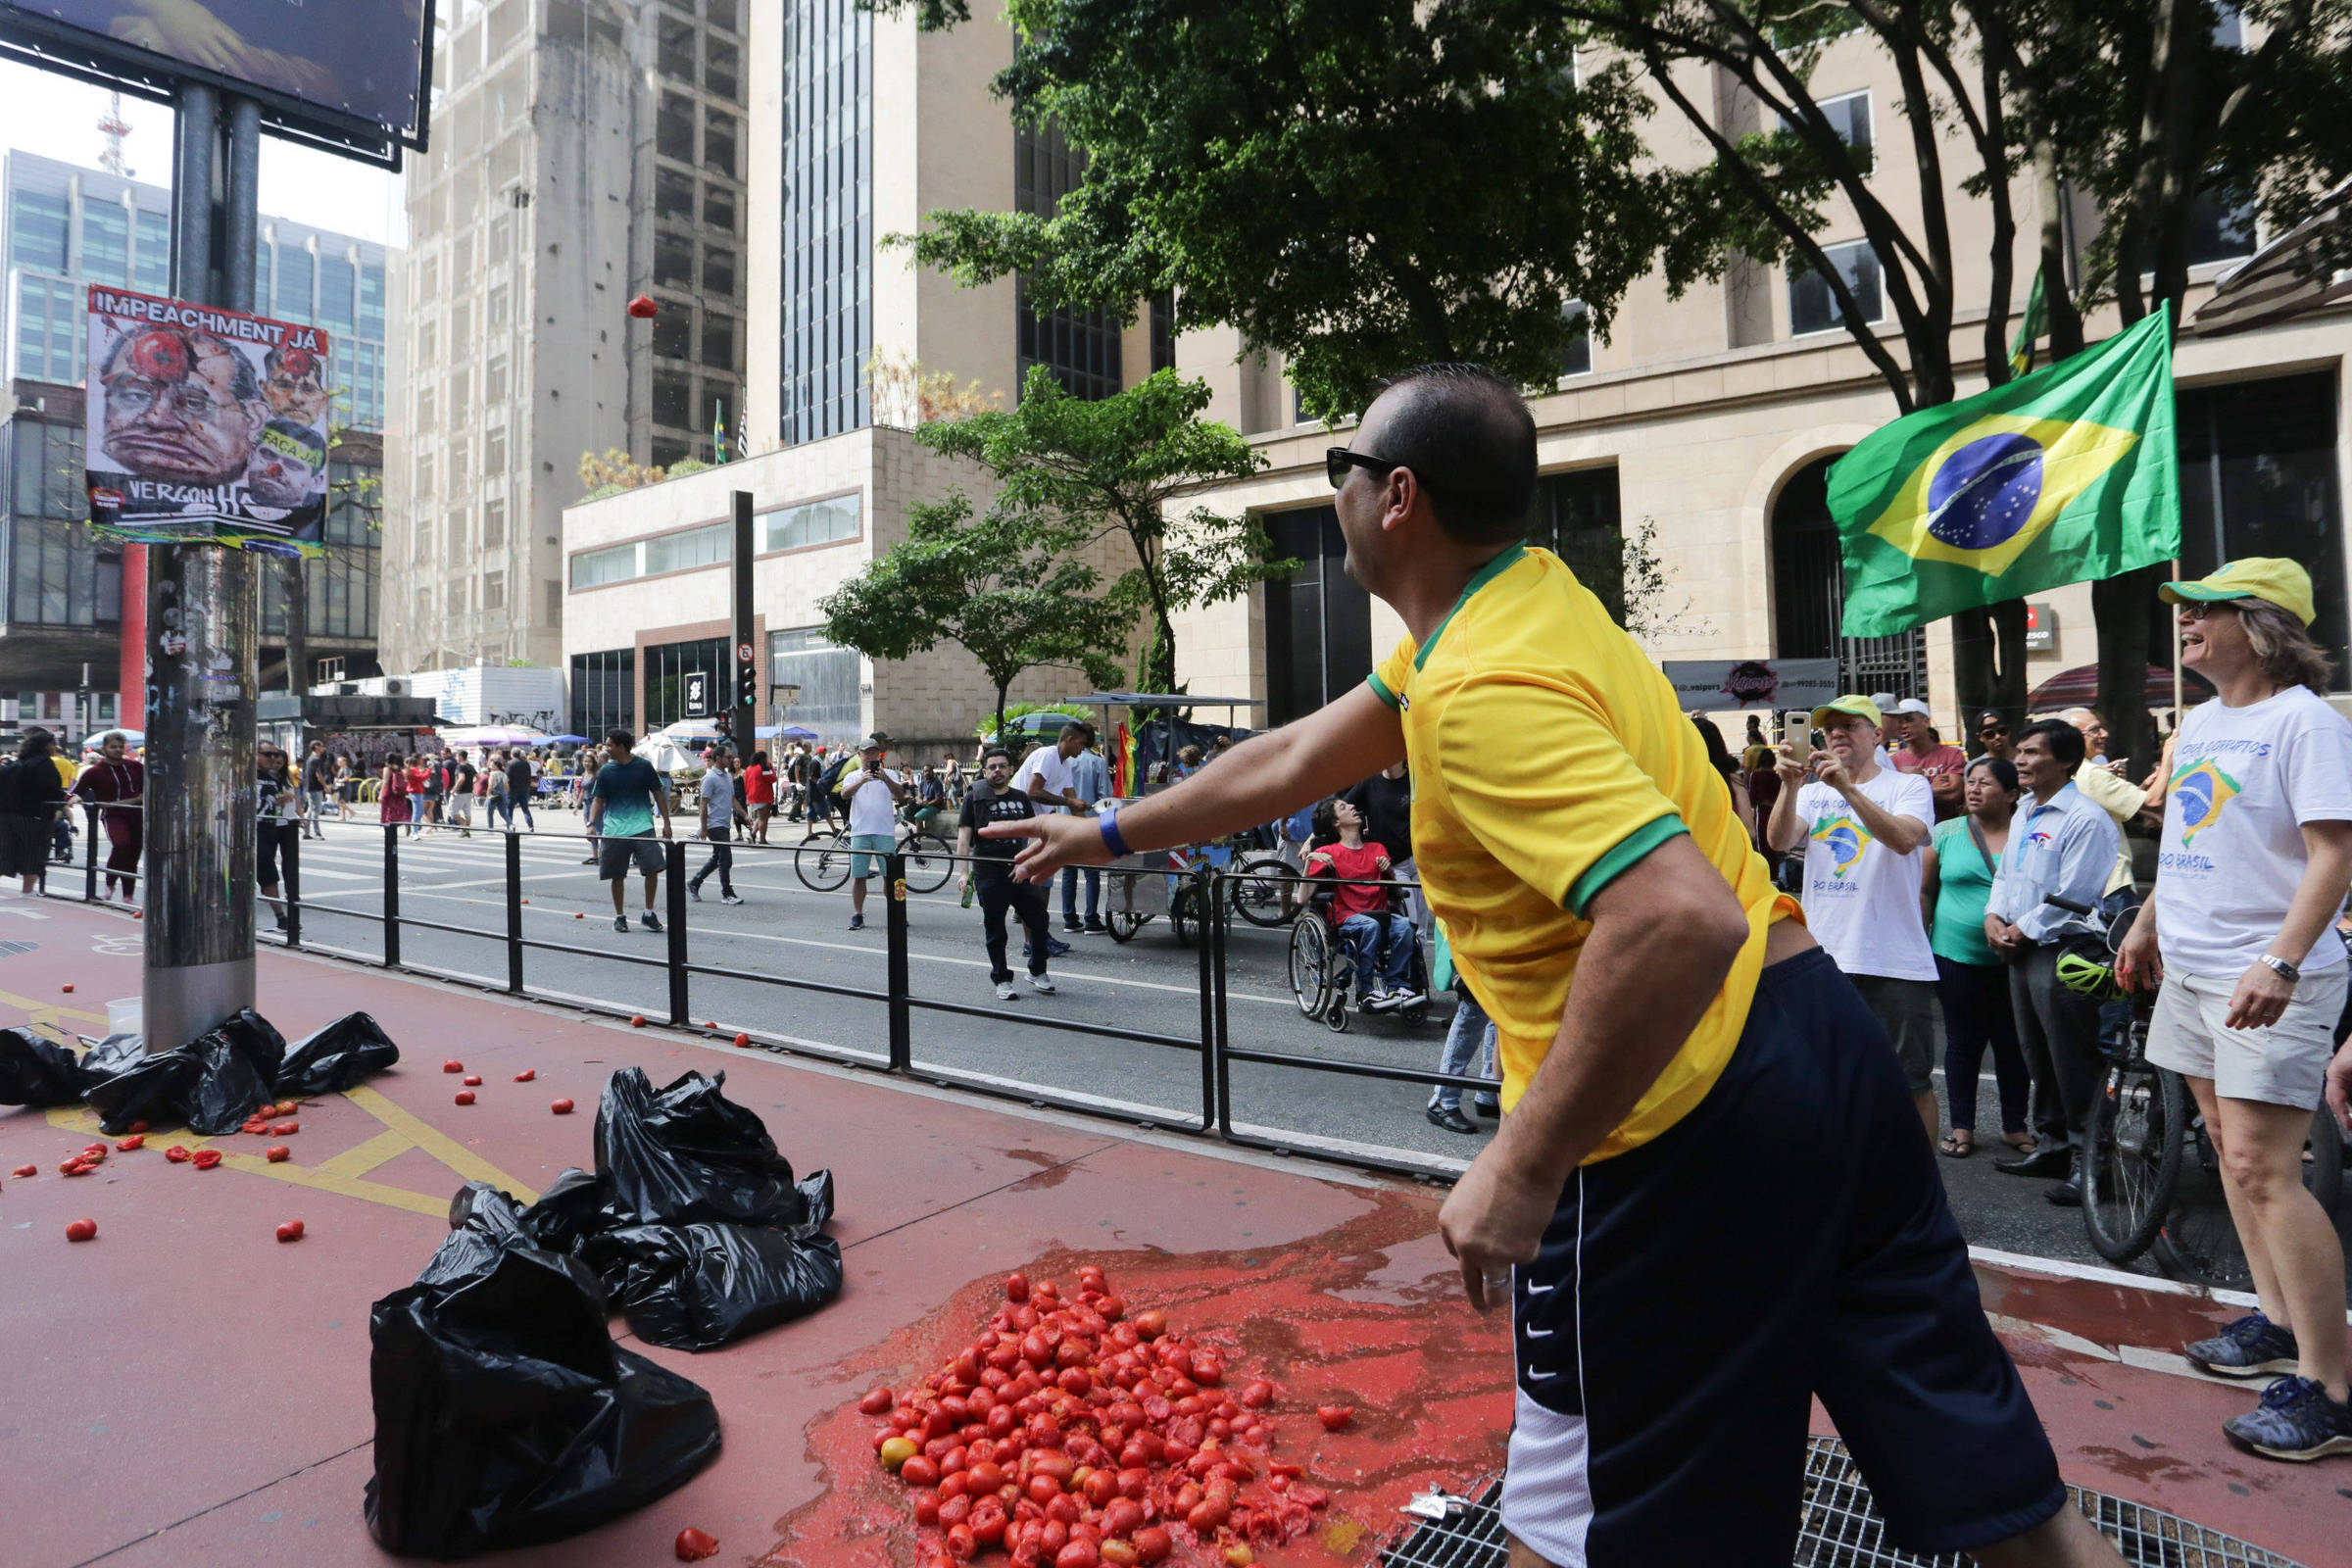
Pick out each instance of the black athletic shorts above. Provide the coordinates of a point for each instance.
(1787, 1238)
(615, 856)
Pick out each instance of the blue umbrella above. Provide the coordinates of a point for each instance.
(567, 740)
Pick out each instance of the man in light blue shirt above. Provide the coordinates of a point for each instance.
(2061, 850)
(1090, 780)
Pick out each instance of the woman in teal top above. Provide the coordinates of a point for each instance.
(1970, 978)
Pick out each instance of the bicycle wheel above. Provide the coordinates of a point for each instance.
(2199, 1239)
(822, 862)
(1261, 892)
(928, 866)
(1183, 916)
(1124, 925)
(2138, 1127)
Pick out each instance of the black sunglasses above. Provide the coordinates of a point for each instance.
(1994, 729)
(1336, 461)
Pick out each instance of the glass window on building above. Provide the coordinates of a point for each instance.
(338, 294)
(603, 692)
(49, 341)
(494, 589)
(718, 342)
(722, 70)
(494, 453)
(106, 243)
(811, 522)
(673, 127)
(372, 301)
(674, 51)
(151, 262)
(673, 259)
(2258, 477)
(1080, 347)
(1577, 520)
(59, 574)
(669, 450)
(1318, 619)
(718, 207)
(1576, 359)
(673, 399)
(828, 676)
(673, 195)
(1163, 332)
(264, 270)
(38, 226)
(295, 296)
(1812, 308)
(673, 331)
(827, 220)
(718, 270)
(688, 549)
(494, 382)
(720, 133)
(666, 665)
(494, 525)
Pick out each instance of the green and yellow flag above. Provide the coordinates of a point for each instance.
(2070, 473)
(2032, 323)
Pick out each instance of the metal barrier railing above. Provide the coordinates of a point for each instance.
(1211, 892)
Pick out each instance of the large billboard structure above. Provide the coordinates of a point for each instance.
(350, 75)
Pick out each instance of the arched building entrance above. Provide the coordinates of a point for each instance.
(1808, 590)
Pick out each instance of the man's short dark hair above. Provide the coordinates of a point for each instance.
(620, 737)
(1468, 437)
(1079, 726)
(996, 751)
(2064, 741)
(1327, 818)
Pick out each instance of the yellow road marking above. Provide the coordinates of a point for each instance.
(359, 1161)
(438, 1144)
(340, 1185)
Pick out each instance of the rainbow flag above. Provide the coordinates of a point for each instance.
(1122, 764)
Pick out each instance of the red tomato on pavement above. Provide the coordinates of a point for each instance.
(471, 1080)
(134, 1140)
(877, 1401)
(464, 1096)
(276, 1153)
(1335, 1417)
(453, 1065)
(290, 1231)
(527, 1075)
(286, 1129)
(693, 1544)
(81, 1230)
(1016, 1288)
(27, 1170)
(561, 1107)
(207, 1159)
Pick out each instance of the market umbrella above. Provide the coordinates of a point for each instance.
(2079, 687)
(790, 732)
(688, 732)
(666, 755)
(567, 740)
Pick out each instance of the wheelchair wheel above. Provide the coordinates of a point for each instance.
(928, 862)
(1335, 1019)
(1123, 925)
(822, 862)
(1261, 892)
(1310, 967)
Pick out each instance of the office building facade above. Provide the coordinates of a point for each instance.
(584, 153)
(61, 228)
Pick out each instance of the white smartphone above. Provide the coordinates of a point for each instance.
(1797, 733)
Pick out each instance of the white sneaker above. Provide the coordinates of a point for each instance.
(1404, 997)
(1378, 1001)
(731, 898)
(1006, 993)
(1039, 982)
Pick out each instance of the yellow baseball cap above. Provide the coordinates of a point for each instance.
(2274, 579)
(1859, 706)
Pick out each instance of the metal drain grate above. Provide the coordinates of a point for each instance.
(1842, 1529)
(12, 949)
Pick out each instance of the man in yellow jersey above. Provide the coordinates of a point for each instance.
(1708, 1198)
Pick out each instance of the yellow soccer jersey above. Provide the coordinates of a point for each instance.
(1547, 756)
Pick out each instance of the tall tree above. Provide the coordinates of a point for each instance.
(1003, 584)
(1358, 184)
(1118, 466)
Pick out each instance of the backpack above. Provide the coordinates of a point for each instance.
(831, 776)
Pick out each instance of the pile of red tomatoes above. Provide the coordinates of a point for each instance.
(1070, 1434)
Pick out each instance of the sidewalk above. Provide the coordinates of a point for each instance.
(188, 1390)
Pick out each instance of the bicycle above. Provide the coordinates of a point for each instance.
(822, 860)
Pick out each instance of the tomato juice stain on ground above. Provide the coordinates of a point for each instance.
(1428, 1380)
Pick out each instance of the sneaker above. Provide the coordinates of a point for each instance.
(2296, 1420)
(1095, 927)
(1006, 993)
(650, 921)
(694, 893)
(1405, 996)
(2250, 1348)
(1377, 1001)
(730, 896)
(1056, 948)
(857, 922)
(620, 922)
(1070, 924)
(1041, 983)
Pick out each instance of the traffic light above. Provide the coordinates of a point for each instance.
(746, 685)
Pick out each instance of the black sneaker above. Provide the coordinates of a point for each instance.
(620, 922)
(1450, 1118)
(695, 893)
(730, 896)
(857, 922)
(650, 921)
(1095, 927)
(2253, 1346)
(2296, 1420)
(1071, 926)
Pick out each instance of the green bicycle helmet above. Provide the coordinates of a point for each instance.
(2088, 976)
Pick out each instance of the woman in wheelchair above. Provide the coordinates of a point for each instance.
(1343, 882)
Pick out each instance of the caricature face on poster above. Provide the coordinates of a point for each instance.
(206, 425)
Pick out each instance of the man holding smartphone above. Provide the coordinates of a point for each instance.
(1708, 1199)
(873, 794)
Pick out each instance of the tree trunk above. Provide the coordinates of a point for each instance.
(1002, 688)
(1989, 664)
(2126, 609)
(294, 584)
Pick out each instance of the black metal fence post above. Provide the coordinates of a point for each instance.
(675, 856)
(290, 864)
(894, 931)
(1224, 1065)
(514, 845)
(89, 823)
(1203, 894)
(392, 894)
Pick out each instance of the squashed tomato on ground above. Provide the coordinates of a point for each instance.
(1069, 1435)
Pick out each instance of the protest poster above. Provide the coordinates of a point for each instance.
(205, 425)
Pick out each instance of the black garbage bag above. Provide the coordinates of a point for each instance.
(568, 1213)
(505, 1414)
(37, 1072)
(689, 1154)
(699, 1287)
(212, 1083)
(352, 1048)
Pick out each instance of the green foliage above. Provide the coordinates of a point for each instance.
(987, 727)
(1360, 184)
(1076, 472)
(686, 465)
(1005, 585)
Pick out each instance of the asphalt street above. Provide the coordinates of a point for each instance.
(1150, 984)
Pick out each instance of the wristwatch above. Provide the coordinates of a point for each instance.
(2286, 970)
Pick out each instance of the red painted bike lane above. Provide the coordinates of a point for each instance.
(187, 1388)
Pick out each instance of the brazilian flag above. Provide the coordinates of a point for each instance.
(2067, 475)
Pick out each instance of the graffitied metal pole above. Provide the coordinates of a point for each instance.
(203, 637)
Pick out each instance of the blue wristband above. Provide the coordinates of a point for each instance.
(1112, 839)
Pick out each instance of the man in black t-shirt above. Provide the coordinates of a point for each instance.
(521, 782)
(990, 874)
(318, 778)
(1386, 800)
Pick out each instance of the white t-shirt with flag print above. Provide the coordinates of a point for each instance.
(1862, 899)
(2244, 781)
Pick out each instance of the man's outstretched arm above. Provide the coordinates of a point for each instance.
(1265, 778)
